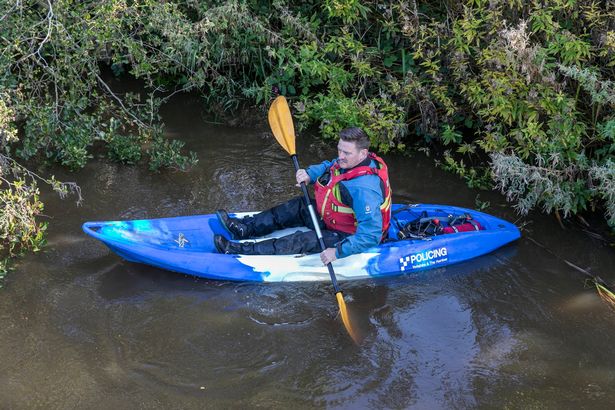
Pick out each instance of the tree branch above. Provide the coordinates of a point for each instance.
(119, 100)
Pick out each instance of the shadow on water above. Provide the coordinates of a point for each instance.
(82, 328)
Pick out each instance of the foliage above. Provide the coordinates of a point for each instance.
(20, 205)
(19, 202)
(555, 183)
(604, 177)
(124, 149)
(381, 118)
(52, 63)
(530, 86)
(18, 225)
(165, 153)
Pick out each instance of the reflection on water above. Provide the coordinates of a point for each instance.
(81, 328)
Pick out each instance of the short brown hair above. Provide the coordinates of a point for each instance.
(356, 135)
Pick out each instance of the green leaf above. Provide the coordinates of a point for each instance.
(389, 60)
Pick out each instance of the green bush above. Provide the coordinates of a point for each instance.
(382, 119)
(530, 88)
(20, 205)
(124, 149)
(167, 153)
(19, 228)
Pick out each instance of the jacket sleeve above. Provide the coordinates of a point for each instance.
(315, 171)
(366, 203)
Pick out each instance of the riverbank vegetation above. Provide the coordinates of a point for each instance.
(512, 95)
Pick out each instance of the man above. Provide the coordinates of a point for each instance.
(353, 199)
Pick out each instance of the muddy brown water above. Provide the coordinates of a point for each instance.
(81, 328)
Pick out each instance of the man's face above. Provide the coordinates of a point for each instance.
(349, 155)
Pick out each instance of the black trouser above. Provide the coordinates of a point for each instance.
(290, 214)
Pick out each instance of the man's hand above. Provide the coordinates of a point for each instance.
(328, 255)
(302, 176)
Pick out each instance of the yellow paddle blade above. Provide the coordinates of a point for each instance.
(281, 123)
(605, 294)
(345, 318)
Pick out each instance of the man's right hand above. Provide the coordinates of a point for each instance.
(302, 176)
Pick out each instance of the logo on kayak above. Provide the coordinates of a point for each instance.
(423, 259)
(181, 240)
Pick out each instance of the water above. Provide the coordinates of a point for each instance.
(81, 328)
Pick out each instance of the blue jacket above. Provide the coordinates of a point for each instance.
(366, 197)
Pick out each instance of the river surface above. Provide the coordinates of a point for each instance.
(81, 328)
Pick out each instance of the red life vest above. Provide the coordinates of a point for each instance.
(340, 217)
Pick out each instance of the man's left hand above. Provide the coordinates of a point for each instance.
(328, 255)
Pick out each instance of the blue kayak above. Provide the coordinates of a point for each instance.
(185, 244)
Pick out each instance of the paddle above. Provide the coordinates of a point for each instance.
(281, 123)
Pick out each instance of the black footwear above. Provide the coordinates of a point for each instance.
(234, 226)
(223, 245)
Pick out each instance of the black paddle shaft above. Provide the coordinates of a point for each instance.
(308, 202)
